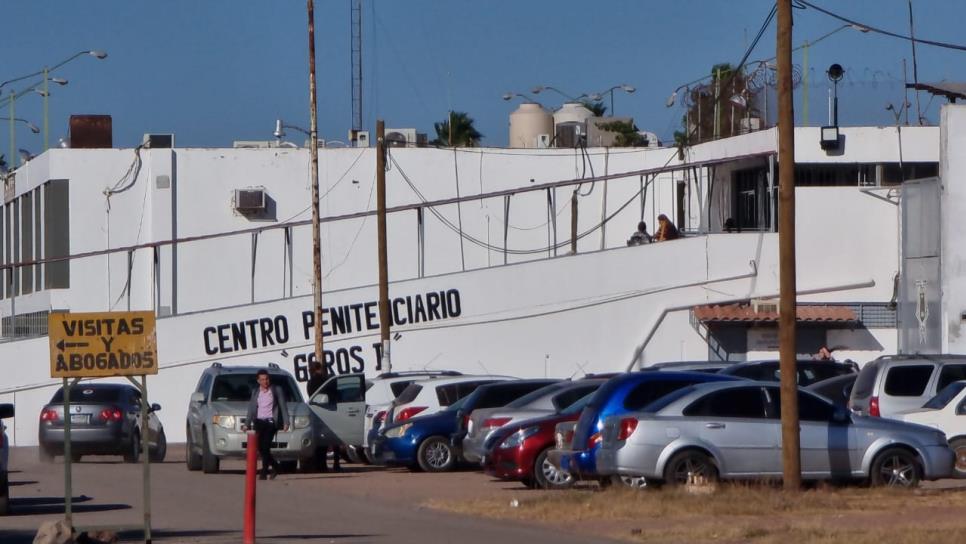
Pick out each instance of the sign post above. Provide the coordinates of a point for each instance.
(100, 345)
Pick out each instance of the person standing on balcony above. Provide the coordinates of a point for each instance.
(640, 236)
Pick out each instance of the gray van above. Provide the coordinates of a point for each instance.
(894, 383)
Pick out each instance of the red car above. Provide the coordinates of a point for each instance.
(519, 451)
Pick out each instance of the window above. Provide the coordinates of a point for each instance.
(744, 402)
(572, 395)
(945, 395)
(810, 407)
(908, 381)
(500, 395)
(866, 380)
(349, 389)
(27, 240)
(89, 393)
(398, 387)
(949, 374)
(410, 393)
(56, 233)
(239, 387)
(649, 391)
(204, 385)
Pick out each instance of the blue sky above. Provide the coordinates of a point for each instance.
(215, 71)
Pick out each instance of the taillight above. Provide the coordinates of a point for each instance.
(381, 415)
(410, 412)
(593, 440)
(496, 421)
(48, 415)
(111, 414)
(466, 423)
(628, 424)
(874, 407)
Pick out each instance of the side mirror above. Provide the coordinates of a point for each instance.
(197, 396)
(6, 410)
(320, 398)
(155, 407)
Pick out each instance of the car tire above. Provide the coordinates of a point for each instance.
(435, 454)
(958, 445)
(547, 476)
(209, 461)
(687, 465)
(160, 450)
(4, 495)
(895, 467)
(44, 456)
(133, 451)
(192, 457)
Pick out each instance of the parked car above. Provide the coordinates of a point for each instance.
(690, 366)
(733, 430)
(946, 412)
(427, 442)
(384, 389)
(544, 401)
(217, 413)
(518, 451)
(430, 396)
(837, 389)
(105, 419)
(620, 395)
(895, 383)
(809, 371)
(6, 411)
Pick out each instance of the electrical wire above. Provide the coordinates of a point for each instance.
(877, 30)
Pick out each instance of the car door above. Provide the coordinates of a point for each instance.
(195, 408)
(827, 447)
(340, 405)
(735, 422)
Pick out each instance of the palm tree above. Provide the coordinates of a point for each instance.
(596, 107)
(464, 133)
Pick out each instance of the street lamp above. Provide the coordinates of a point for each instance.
(539, 88)
(510, 95)
(623, 86)
(33, 128)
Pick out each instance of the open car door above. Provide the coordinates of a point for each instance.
(340, 404)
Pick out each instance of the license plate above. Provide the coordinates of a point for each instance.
(81, 419)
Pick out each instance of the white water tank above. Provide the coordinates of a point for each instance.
(528, 124)
(571, 112)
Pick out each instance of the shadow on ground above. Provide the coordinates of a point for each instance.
(31, 506)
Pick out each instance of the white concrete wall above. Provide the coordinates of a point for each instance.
(952, 171)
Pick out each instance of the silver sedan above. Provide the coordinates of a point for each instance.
(733, 430)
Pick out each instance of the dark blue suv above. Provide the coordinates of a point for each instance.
(625, 393)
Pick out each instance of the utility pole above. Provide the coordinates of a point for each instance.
(314, 170)
(791, 445)
(384, 316)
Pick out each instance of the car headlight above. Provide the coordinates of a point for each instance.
(300, 422)
(516, 439)
(227, 422)
(396, 432)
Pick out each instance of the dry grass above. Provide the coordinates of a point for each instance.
(741, 513)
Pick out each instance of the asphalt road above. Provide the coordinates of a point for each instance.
(359, 505)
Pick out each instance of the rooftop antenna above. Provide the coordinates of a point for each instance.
(356, 47)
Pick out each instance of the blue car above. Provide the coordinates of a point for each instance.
(426, 441)
(625, 393)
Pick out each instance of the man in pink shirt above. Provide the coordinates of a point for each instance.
(267, 414)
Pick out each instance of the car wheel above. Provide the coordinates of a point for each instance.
(688, 466)
(45, 456)
(548, 476)
(192, 457)
(209, 461)
(959, 448)
(4, 495)
(133, 452)
(436, 455)
(75, 457)
(161, 449)
(895, 467)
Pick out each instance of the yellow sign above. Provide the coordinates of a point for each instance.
(102, 344)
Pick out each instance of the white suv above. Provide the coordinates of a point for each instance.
(385, 388)
(430, 396)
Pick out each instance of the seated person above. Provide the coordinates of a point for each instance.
(640, 236)
(665, 230)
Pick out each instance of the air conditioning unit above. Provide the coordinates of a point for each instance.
(250, 200)
(749, 124)
(158, 141)
(362, 138)
(405, 137)
(543, 141)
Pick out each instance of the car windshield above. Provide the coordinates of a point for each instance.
(239, 387)
(89, 394)
(664, 401)
(943, 397)
(578, 406)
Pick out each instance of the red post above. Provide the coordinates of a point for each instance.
(250, 470)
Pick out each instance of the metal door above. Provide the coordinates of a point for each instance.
(343, 413)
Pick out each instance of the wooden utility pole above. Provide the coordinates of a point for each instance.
(314, 172)
(791, 446)
(384, 316)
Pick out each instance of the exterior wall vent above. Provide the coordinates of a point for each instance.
(250, 200)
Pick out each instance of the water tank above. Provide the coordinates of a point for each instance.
(571, 112)
(570, 124)
(530, 125)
